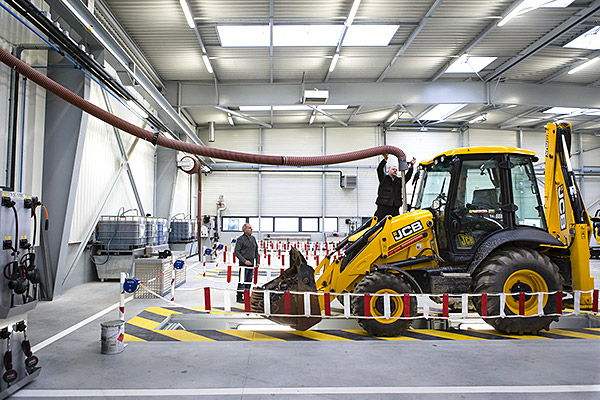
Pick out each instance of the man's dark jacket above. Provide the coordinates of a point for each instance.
(389, 192)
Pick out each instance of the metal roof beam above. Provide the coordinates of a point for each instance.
(379, 94)
(410, 39)
(580, 17)
(339, 121)
(243, 116)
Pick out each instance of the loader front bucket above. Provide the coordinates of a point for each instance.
(299, 277)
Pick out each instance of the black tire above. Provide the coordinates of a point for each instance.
(383, 283)
(515, 270)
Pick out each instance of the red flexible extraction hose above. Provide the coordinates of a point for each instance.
(191, 148)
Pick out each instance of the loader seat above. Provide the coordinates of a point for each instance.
(485, 198)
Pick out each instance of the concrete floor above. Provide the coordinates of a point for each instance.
(73, 366)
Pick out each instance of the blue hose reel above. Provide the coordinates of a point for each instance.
(131, 285)
(179, 264)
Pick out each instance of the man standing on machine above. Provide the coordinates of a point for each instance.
(246, 250)
(389, 193)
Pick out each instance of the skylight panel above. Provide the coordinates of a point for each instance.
(572, 111)
(244, 35)
(306, 35)
(370, 35)
(557, 4)
(589, 40)
(469, 65)
(441, 112)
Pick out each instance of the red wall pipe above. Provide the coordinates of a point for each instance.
(70, 97)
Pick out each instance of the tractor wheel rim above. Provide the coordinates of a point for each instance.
(377, 306)
(525, 281)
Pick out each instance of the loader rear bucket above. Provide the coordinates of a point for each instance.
(299, 277)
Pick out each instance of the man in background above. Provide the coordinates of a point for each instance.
(246, 250)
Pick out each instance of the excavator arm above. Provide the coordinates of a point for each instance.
(566, 215)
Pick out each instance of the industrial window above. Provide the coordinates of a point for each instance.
(309, 224)
(233, 224)
(286, 224)
(264, 225)
(330, 225)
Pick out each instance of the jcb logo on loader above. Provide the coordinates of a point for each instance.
(408, 230)
(562, 208)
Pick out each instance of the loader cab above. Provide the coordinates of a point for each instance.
(476, 192)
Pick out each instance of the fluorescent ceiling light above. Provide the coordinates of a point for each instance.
(207, 63)
(572, 111)
(306, 35)
(530, 5)
(557, 3)
(244, 35)
(589, 40)
(187, 13)
(469, 65)
(370, 35)
(293, 107)
(353, 11)
(479, 118)
(584, 65)
(334, 61)
(441, 112)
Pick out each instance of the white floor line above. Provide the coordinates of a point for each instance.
(307, 390)
(73, 328)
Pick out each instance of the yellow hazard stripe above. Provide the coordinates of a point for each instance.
(579, 335)
(165, 312)
(323, 337)
(593, 329)
(250, 335)
(521, 337)
(143, 323)
(130, 338)
(363, 333)
(184, 336)
(445, 334)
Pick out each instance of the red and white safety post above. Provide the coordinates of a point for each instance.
(122, 297)
(172, 282)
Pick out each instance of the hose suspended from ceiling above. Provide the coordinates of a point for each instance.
(191, 148)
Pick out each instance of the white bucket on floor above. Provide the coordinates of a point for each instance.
(112, 336)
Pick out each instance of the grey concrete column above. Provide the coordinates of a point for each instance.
(64, 138)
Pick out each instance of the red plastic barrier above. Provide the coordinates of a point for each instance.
(207, 299)
(559, 296)
(255, 275)
(287, 303)
(283, 259)
(317, 258)
(224, 257)
(445, 306)
(234, 258)
(406, 305)
(281, 271)
(367, 305)
(279, 252)
(521, 303)
(327, 301)
(247, 300)
(484, 305)
(595, 301)
(229, 274)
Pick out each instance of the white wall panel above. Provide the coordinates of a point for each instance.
(342, 140)
(339, 202)
(286, 194)
(246, 140)
(367, 192)
(293, 142)
(423, 145)
(536, 141)
(492, 137)
(239, 190)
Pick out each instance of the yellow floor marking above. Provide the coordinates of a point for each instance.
(521, 337)
(129, 338)
(324, 337)
(250, 335)
(580, 335)
(594, 329)
(143, 323)
(184, 336)
(363, 333)
(165, 312)
(445, 335)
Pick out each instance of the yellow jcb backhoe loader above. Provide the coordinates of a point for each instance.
(477, 225)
